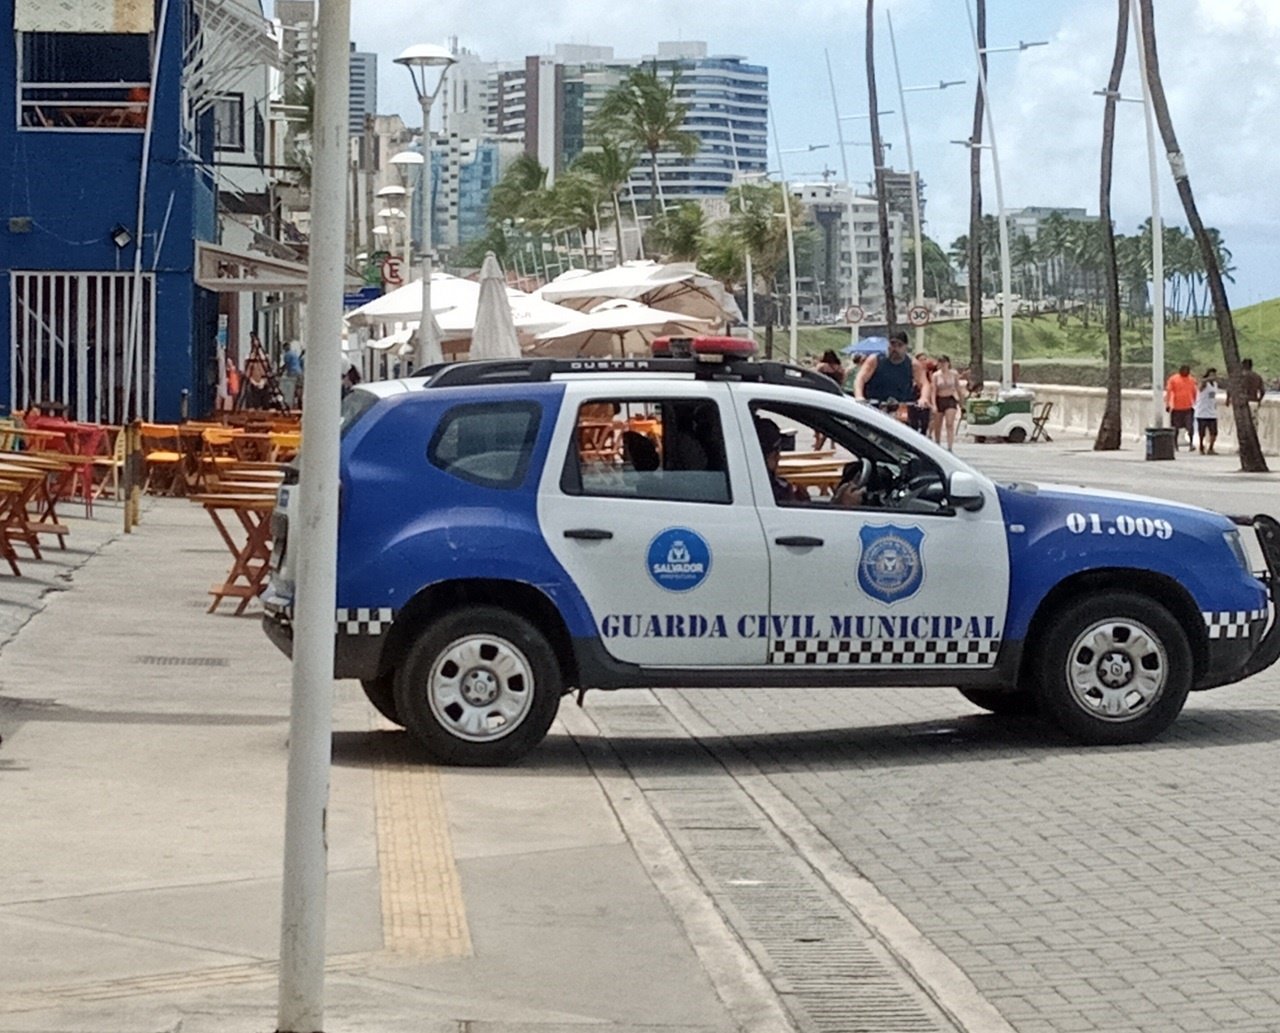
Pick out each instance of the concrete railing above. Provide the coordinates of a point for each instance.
(1079, 410)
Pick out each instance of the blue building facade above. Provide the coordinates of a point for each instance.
(106, 192)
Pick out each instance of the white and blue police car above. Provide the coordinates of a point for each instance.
(511, 531)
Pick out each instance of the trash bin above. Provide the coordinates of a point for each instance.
(1162, 442)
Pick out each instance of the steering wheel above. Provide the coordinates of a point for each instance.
(856, 474)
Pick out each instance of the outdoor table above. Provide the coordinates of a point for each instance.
(47, 471)
(823, 474)
(13, 518)
(251, 553)
(22, 486)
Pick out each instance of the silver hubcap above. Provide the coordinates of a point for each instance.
(1117, 670)
(481, 688)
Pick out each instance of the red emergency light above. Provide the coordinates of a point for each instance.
(704, 349)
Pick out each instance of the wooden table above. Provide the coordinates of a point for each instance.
(823, 474)
(251, 553)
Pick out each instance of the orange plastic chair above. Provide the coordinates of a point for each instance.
(162, 452)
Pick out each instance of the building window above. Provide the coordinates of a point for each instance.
(84, 80)
(228, 122)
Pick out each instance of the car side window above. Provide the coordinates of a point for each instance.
(489, 444)
(671, 450)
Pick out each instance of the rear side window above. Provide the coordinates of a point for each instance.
(486, 443)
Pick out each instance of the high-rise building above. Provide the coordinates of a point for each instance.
(362, 89)
(549, 103)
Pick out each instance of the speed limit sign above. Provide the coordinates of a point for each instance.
(854, 314)
(918, 315)
(391, 272)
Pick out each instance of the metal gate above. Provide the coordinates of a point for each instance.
(71, 342)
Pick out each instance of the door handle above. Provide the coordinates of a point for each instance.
(588, 534)
(802, 541)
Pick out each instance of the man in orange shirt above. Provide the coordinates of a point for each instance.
(1179, 402)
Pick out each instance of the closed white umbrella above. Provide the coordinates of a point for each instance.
(616, 327)
(494, 333)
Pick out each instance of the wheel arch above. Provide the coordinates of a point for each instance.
(1160, 588)
(517, 597)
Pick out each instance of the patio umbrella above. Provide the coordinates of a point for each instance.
(867, 346)
(493, 335)
(617, 327)
(673, 286)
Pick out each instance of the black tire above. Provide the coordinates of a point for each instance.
(1017, 435)
(1019, 703)
(496, 689)
(1113, 668)
(381, 692)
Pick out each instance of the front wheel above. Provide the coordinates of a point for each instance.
(480, 686)
(1115, 668)
(381, 692)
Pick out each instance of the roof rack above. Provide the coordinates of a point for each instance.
(528, 371)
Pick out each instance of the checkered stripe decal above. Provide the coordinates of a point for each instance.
(884, 652)
(1232, 623)
(364, 620)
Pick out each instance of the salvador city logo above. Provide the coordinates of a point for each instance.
(679, 559)
(891, 567)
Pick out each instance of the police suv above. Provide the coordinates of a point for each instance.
(511, 531)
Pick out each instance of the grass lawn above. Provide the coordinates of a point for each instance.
(1040, 341)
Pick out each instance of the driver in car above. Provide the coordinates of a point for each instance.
(848, 493)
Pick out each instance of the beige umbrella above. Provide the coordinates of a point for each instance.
(494, 333)
(673, 286)
(616, 327)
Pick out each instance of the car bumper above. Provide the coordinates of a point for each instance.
(355, 654)
(1233, 659)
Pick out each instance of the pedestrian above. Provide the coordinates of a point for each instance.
(290, 373)
(1206, 409)
(948, 397)
(1254, 386)
(831, 366)
(920, 417)
(1180, 392)
(896, 379)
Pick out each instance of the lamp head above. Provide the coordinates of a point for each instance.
(406, 158)
(420, 59)
(120, 236)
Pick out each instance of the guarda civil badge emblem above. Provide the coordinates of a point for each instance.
(890, 567)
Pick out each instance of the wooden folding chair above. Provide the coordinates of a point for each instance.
(1040, 417)
(163, 455)
(107, 467)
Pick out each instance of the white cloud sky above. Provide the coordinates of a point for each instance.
(1220, 61)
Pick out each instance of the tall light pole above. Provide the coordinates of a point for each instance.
(793, 315)
(917, 234)
(855, 293)
(402, 160)
(422, 60)
(1157, 232)
(1006, 273)
(750, 274)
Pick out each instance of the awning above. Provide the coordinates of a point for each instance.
(221, 268)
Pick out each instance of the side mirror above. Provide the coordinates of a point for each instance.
(964, 490)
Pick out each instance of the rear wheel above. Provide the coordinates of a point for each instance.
(1019, 703)
(481, 686)
(381, 692)
(1017, 435)
(1115, 668)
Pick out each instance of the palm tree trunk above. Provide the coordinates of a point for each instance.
(1251, 458)
(976, 373)
(1108, 439)
(656, 204)
(617, 228)
(877, 151)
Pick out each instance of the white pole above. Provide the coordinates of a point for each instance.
(1006, 275)
(1157, 234)
(791, 240)
(751, 286)
(428, 347)
(915, 188)
(302, 926)
(855, 295)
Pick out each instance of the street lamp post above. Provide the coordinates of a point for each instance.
(402, 160)
(750, 274)
(911, 172)
(793, 314)
(855, 293)
(1006, 274)
(421, 59)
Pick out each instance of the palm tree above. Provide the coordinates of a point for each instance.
(1251, 458)
(1108, 439)
(642, 111)
(609, 164)
(976, 373)
(511, 196)
(877, 151)
(757, 221)
(678, 233)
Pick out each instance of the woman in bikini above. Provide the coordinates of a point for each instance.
(948, 393)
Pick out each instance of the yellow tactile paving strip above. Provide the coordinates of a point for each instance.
(422, 908)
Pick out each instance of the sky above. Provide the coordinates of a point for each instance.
(1220, 61)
